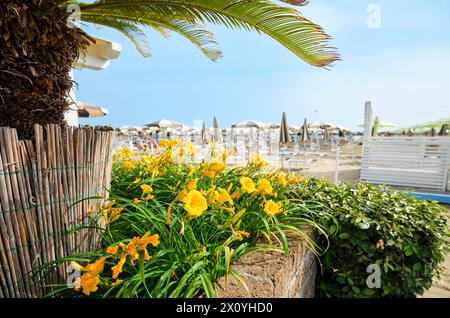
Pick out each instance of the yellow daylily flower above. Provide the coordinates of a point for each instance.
(190, 148)
(282, 179)
(192, 184)
(264, 186)
(144, 241)
(217, 167)
(210, 174)
(117, 282)
(115, 214)
(89, 283)
(237, 216)
(167, 143)
(240, 235)
(137, 180)
(271, 208)
(128, 164)
(224, 196)
(136, 201)
(247, 185)
(194, 203)
(181, 195)
(112, 249)
(146, 188)
(117, 269)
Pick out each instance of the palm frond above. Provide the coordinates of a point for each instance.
(304, 38)
(130, 30)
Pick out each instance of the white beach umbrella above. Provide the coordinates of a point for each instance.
(130, 128)
(165, 123)
(249, 124)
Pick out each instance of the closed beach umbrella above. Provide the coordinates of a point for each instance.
(204, 134)
(325, 134)
(443, 131)
(433, 132)
(305, 132)
(284, 130)
(216, 130)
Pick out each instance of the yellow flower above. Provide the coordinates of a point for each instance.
(146, 189)
(77, 266)
(237, 216)
(130, 249)
(181, 195)
(144, 241)
(240, 235)
(136, 201)
(117, 282)
(115, 214)
(224, 196)
(247, 185)
(259, 162)
(167, 143)
(264, 186)
(271, 208)
(194, 203)
(123, 153)
(282, 178)
(192, 184)
(137, 180)
(210, 174)
(95, 268)
(190, 148)
(117, 269)
(128, 164)
(88, 282)
(191, 170)
(112, 249)
(149, 197)
(217, 167)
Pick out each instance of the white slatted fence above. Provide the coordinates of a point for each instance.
(413, 162)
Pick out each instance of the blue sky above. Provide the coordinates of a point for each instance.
(403, 67)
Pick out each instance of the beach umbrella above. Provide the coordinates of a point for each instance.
(164, 123)
(91, 110)
(443, 131)
(305, 132)
(284, 130)
(325, 134)
(130, 128)
(319, 124)
(204, 134)
(249, 124)
(433, 132)
(216, 130)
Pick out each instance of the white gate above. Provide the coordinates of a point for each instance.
(410, 162)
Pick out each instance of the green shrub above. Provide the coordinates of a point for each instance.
(406, 237)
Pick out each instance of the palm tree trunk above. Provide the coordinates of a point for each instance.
(37, 49)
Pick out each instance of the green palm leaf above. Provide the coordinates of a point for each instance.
(304, 38)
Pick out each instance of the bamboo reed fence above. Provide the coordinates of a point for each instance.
(48, 188)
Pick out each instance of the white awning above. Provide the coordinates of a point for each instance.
(97, 55)
(90, 110)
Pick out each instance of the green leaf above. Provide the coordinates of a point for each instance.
(344, 236)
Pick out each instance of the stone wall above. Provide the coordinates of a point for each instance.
(274, 275)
